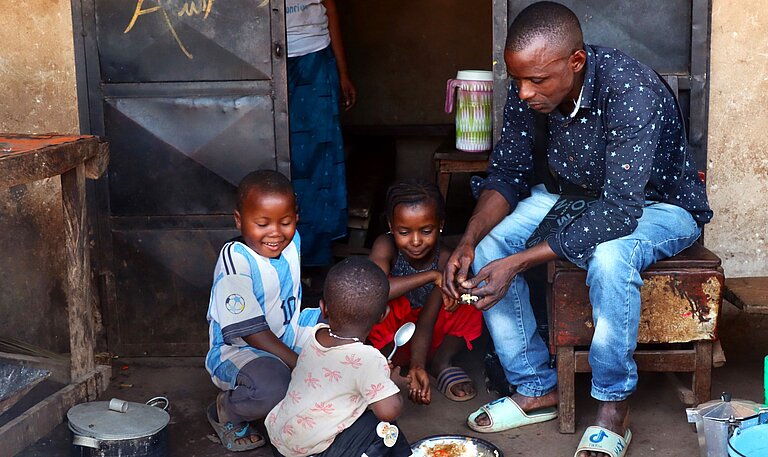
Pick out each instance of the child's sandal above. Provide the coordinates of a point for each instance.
(229, 433)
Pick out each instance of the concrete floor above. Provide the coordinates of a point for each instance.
(658, 420)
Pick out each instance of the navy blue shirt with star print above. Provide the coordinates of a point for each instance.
(626, 142)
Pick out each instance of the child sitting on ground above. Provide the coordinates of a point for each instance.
(341, 389)
(255, 328)
(413, 257)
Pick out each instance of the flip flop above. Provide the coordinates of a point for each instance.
(599, 439)
(449, 378)
(505, 414)
(229, 433)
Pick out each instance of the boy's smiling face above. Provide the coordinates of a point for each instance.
(267, 222)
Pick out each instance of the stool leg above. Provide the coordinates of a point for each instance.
(443, 181)
(566, 374)
(702, 376)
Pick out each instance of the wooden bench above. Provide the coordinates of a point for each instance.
(748, 294)
(681, 299)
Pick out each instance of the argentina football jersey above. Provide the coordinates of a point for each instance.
(253, 294)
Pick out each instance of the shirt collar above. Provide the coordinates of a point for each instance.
(578, 104)
(586, 98)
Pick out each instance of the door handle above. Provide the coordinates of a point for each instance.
(278, 50)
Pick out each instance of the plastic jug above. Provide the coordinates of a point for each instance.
(474, 106)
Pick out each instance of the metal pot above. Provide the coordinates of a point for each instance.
(717, 419)
(119, 428)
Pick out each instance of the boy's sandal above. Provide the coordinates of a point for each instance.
(229, 433)
(599, 439)
(450, 377)
(505, 414)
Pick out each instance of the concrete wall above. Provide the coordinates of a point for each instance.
(37, 83)
(37, 68)
(738, 143)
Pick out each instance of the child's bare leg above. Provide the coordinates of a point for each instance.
(443, 358)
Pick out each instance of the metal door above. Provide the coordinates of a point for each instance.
(191, 96)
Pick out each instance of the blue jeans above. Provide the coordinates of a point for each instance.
(613, 277)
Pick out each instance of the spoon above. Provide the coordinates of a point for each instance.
(402, 336)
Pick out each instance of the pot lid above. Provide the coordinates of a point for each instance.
(728, 409)
(134, 420)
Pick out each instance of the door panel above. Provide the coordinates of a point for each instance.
(158, 273)
(192, 96)
(161, 144)
(201, 40)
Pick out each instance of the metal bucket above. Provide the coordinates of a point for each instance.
(119, 428)
(750, 442)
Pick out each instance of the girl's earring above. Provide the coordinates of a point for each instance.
(389, 232)
(441, 230)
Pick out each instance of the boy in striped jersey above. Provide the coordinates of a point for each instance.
(256, 328)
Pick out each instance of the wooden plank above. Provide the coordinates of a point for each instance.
(78, 288)
(672, 360)
(749, 294)
(97, 165)
(44, 162)
(702, 376)
(684, 393)
(566, 389)
(39, 420)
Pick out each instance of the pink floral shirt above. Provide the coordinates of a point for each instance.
(330, 389)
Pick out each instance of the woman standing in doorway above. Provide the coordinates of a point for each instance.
(318, 86)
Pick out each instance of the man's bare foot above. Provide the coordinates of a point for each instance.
(527, 404)
(614, 416)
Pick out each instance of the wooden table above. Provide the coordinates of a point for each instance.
(449, 160)
(28, 158)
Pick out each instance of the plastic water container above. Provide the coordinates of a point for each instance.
(750, 442)
(474, 109)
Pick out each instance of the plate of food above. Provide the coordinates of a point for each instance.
(454, 446)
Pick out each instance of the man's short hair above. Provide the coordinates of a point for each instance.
(551, 21)
(265, 182)
(356, 290)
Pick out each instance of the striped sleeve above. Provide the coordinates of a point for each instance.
(238, 296)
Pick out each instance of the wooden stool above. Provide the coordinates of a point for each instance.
(449, 160)
(681, 298)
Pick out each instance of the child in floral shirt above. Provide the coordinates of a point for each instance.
(342, 392)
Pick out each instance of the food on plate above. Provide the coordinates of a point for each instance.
(447, 449)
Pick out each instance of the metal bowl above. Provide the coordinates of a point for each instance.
(484, 448)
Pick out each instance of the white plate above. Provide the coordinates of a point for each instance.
(484, 448)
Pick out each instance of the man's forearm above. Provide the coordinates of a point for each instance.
(490, 209)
